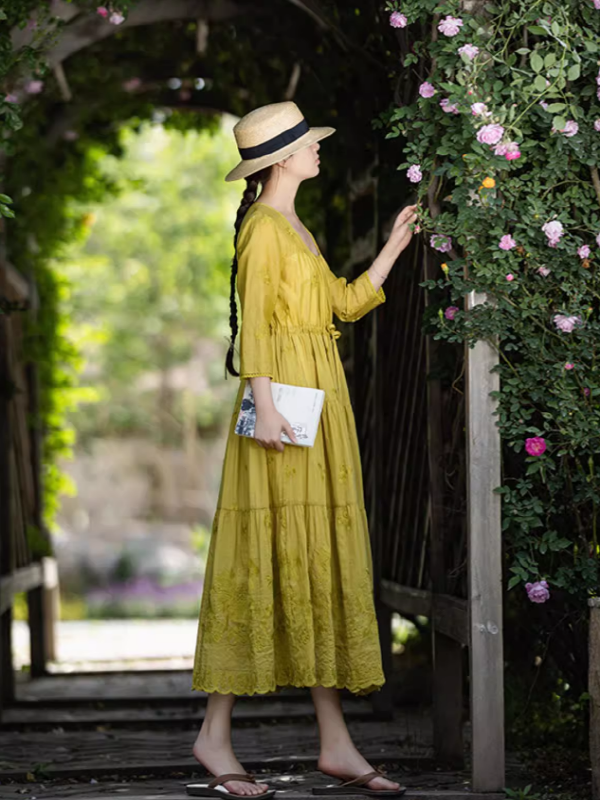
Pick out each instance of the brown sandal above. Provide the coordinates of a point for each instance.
(216, 789)
(358, 786)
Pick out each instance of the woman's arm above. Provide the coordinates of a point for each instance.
(399, 240)
(351, 301)
(270, 424)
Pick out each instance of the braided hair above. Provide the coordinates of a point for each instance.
(248, 198)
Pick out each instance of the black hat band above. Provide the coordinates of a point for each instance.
(276, 143)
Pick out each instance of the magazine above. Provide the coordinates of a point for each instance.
(300, 405)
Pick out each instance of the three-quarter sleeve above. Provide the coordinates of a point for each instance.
(351, 301)
(259, 268)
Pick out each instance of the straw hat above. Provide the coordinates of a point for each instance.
(269, 134)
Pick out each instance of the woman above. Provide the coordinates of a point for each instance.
(288, 588)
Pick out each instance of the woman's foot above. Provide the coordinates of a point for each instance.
(219, 759)
(347, 764)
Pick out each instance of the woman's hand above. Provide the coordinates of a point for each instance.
(401, 233)
(269, 427)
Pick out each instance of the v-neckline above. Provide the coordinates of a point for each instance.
(298, 234)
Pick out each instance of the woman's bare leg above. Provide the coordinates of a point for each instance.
(339, 757)
(213, 748)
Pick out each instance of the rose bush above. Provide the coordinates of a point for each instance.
(522, 82)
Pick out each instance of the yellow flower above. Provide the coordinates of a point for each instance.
(489, 183)
(445, 267)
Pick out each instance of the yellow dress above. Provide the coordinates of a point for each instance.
(288, 590)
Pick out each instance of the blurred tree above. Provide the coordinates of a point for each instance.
(149, 278)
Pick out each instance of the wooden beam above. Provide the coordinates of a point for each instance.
(21, 580)
(485, 565)
(450, 612)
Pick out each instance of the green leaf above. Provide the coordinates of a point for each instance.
(537, 30)
(555, 108)
(559, 123)
(4, 198)
(550, 60)
(522, 51)
(514, 581)
(537, 62)
(591, 46)
(2, 14)
(574, 72)
(555, 27)
(539, 83)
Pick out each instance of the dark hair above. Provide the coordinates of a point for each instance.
(249, 196)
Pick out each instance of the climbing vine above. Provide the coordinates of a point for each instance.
(502, 143)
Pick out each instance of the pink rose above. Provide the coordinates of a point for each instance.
(570, 129)
(566, 323)
(490, 134)
(34, 87)
(598, 240)
(535, 446)
(426, 89)
(507, 242)
(132, 84)
(450, 312)
(450, 26)
(478, 108)
(544, 104)
(569, 365)
(554, 231)
(468, 50)
(414, 173)
(398, 20)
(538, 592)
(544, 272)
(116, 18)
(512, 152)
(510, 277)
(448, 107)
(597, 5)
(586, 391)
(11, 98)
(103, 11)
(441, 242)
(584, 251)
(597, 125)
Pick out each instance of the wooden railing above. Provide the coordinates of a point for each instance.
(21, 570)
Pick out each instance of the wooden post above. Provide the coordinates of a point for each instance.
(485, 566)
(7, 685)
(594, 690)
(447, 689)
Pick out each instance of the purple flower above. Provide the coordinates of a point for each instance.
(570, 129)
(478, 108)
(414, 173)
(450, 312)
(544, 272)
(538, 592)
(598, 240)
(586, 391)
(441, 242)
(426, 89)
(584, 251)
(490, 134)
(116, 18)
(11, 98)
(544, 104)
(450, 26)
(448, 107)
(468, 50)
(34, 87)
(535, 446)
(566, 323)
(597, 125)
(507, 242)
(398, 20)
(597, 5)
(554, 231)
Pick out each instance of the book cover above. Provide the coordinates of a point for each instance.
(300, 405)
